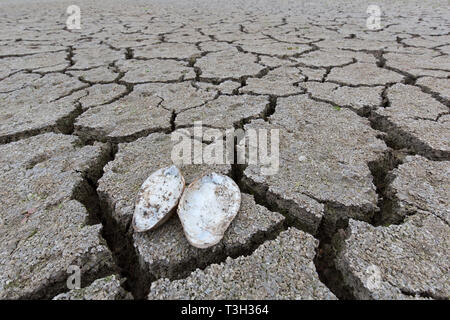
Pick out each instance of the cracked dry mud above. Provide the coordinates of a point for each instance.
(359, 208)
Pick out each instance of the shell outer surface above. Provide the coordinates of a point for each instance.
(207, 207)
(157, 198)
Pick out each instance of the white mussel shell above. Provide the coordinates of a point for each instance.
(157, 199)
(207, 207)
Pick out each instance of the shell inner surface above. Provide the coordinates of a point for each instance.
(207, 208)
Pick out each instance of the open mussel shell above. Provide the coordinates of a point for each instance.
(207, 207)
(157, 198)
